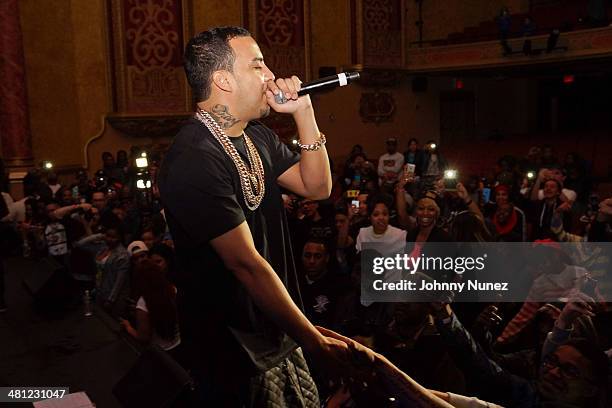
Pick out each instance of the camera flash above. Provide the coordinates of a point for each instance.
(450, 174)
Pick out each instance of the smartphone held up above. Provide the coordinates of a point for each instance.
(451, 177)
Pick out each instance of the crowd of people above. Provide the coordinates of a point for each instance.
(115, 243)
(486, 349)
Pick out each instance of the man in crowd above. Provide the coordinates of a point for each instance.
(390, 165)
(237, 286)
(99, 201)
(320, 287)
(310, 223)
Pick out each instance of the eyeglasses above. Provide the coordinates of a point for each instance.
(568, 371)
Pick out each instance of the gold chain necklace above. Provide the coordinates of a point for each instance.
(251, 176)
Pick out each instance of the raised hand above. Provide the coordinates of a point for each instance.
(577, 305)
(462, 192)
(289, 88)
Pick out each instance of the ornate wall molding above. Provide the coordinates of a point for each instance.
(378, 33)
(147, 38)
(282, 30)
(376, 107)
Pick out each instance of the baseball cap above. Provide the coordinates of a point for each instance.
(136, 247)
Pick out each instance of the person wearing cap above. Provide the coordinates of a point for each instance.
(390, 164)
(138, 251)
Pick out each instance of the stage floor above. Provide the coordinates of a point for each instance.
(61, 349)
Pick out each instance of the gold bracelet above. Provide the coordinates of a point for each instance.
(314, 146)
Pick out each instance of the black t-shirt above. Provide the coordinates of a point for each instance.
(202, 197)
(321, 297)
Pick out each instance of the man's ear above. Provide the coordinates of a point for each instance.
(221, 80)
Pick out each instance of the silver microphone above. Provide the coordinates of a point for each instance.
(341, 79)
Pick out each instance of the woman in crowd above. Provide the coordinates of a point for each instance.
(507, 222)
(414, 155)
(391, 239)
(359, 172)
(112, 264)
(156, 313)
(163, 256)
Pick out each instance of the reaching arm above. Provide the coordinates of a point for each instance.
(237, 250)
(63, 211)
(372, 365)
(143, 331)
(535, 189)
(400, 202)
(472, 206)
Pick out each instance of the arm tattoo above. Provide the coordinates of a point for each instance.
(222, 116)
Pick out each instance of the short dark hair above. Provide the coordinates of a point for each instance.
(208, 52)
(381, 198)
(318, 241)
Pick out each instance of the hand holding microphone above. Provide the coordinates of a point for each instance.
(295, 89)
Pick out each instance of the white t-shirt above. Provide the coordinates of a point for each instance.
(393, 240)
(391, 243)
(19, 210)
(162, 343)
(390, 163)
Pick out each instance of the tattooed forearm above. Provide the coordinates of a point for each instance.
(222, 116)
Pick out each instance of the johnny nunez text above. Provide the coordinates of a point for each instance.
(470, 285)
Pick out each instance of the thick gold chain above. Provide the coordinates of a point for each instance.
(251, 176)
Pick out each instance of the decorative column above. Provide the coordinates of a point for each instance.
(15, 134)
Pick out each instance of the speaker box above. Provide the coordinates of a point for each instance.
(419, 84)
(49, 283)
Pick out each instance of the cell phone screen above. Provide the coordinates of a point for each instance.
(451, 177)
(486, 195)
(409, 169)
